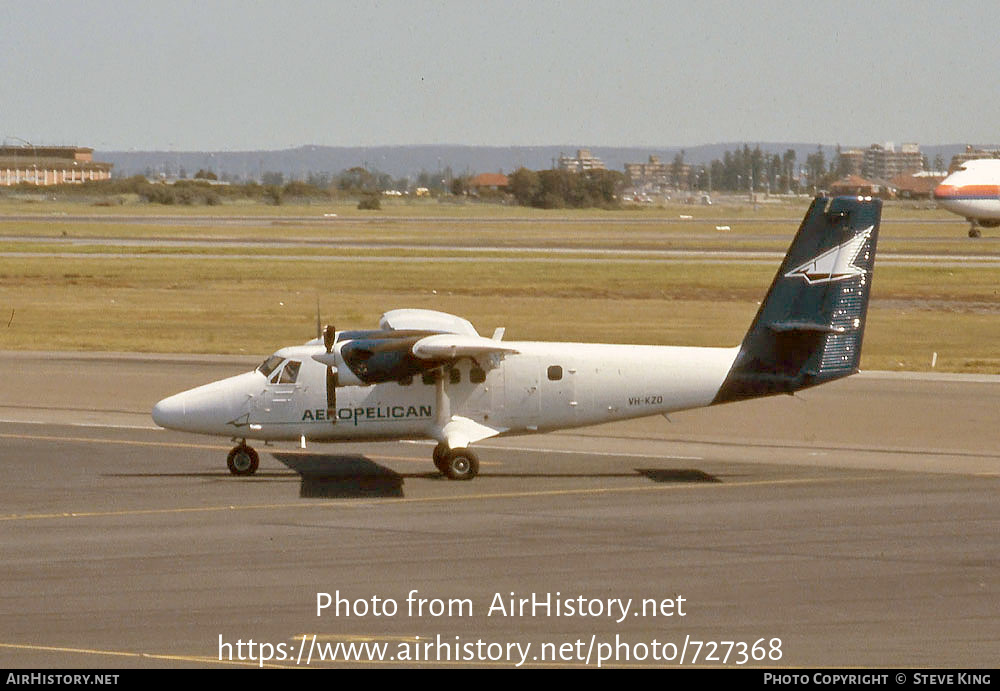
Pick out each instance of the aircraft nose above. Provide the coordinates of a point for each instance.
(169, 412)
(210, 409)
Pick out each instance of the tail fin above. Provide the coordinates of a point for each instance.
(809, 328)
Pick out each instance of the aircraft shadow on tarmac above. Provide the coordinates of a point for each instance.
(677, 475)
(333, 476)
(337, 476)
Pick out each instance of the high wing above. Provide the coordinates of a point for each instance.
(455, 346)
(456, 337)
(425, 320)
(409, 342)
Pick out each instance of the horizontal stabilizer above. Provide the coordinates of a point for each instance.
(782, 327)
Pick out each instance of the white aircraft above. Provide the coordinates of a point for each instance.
(429, 375)
(973, 191)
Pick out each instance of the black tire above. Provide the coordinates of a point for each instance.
(975, 233)
(461, 464)
(440, 457)
(243, 460)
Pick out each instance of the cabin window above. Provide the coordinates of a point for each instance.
(429, 378)
(555, 373)
(454, 375)
(270, 364)
(290, 373)
(406, 381)
(477, 375)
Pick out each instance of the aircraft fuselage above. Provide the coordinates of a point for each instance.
(544, 386)
(973, 191)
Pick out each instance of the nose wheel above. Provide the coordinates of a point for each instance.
(243, 460)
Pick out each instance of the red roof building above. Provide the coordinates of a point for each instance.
(920, 186)
(489, 180)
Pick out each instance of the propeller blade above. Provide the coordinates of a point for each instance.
(329, 334)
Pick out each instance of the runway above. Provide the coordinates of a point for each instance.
(856, 524)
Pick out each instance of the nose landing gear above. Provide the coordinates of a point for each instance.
(243, 460)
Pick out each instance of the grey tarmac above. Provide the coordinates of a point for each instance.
(857, 522)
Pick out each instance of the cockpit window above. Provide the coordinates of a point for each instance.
(270, 364)
(290, 373)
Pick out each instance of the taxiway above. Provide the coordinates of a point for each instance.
(858, 523)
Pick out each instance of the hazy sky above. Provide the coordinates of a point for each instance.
(225, 74)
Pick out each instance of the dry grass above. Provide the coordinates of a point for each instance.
(186, 304)
(177, 299)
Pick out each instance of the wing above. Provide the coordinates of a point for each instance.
(455, 346)
(425, 320)
(391, 354)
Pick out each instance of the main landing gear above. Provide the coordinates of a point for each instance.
(243, 460)
(976, 223)
(455, 464)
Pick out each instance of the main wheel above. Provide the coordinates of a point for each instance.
(243, 460)
(974, 232)
(461, 464)
(440, 457)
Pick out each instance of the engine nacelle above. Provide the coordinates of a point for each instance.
(376, 357)
(374, 361)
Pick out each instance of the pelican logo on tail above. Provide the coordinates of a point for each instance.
(836, 264)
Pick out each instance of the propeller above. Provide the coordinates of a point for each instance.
(329, 334)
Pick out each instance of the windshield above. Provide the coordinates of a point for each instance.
(270, 364)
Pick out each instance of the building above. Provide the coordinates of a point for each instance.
(584, 161)
(488, 181)
(658, 176)
(654, 173)
(971, 153)
(854, 185)
(885, 163)
(50, 165)
(853, 161)
(916, 185)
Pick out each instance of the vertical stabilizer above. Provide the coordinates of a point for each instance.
(810, 326)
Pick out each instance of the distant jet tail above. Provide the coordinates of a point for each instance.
(809, 328)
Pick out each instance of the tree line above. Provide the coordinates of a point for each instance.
(738, 171)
